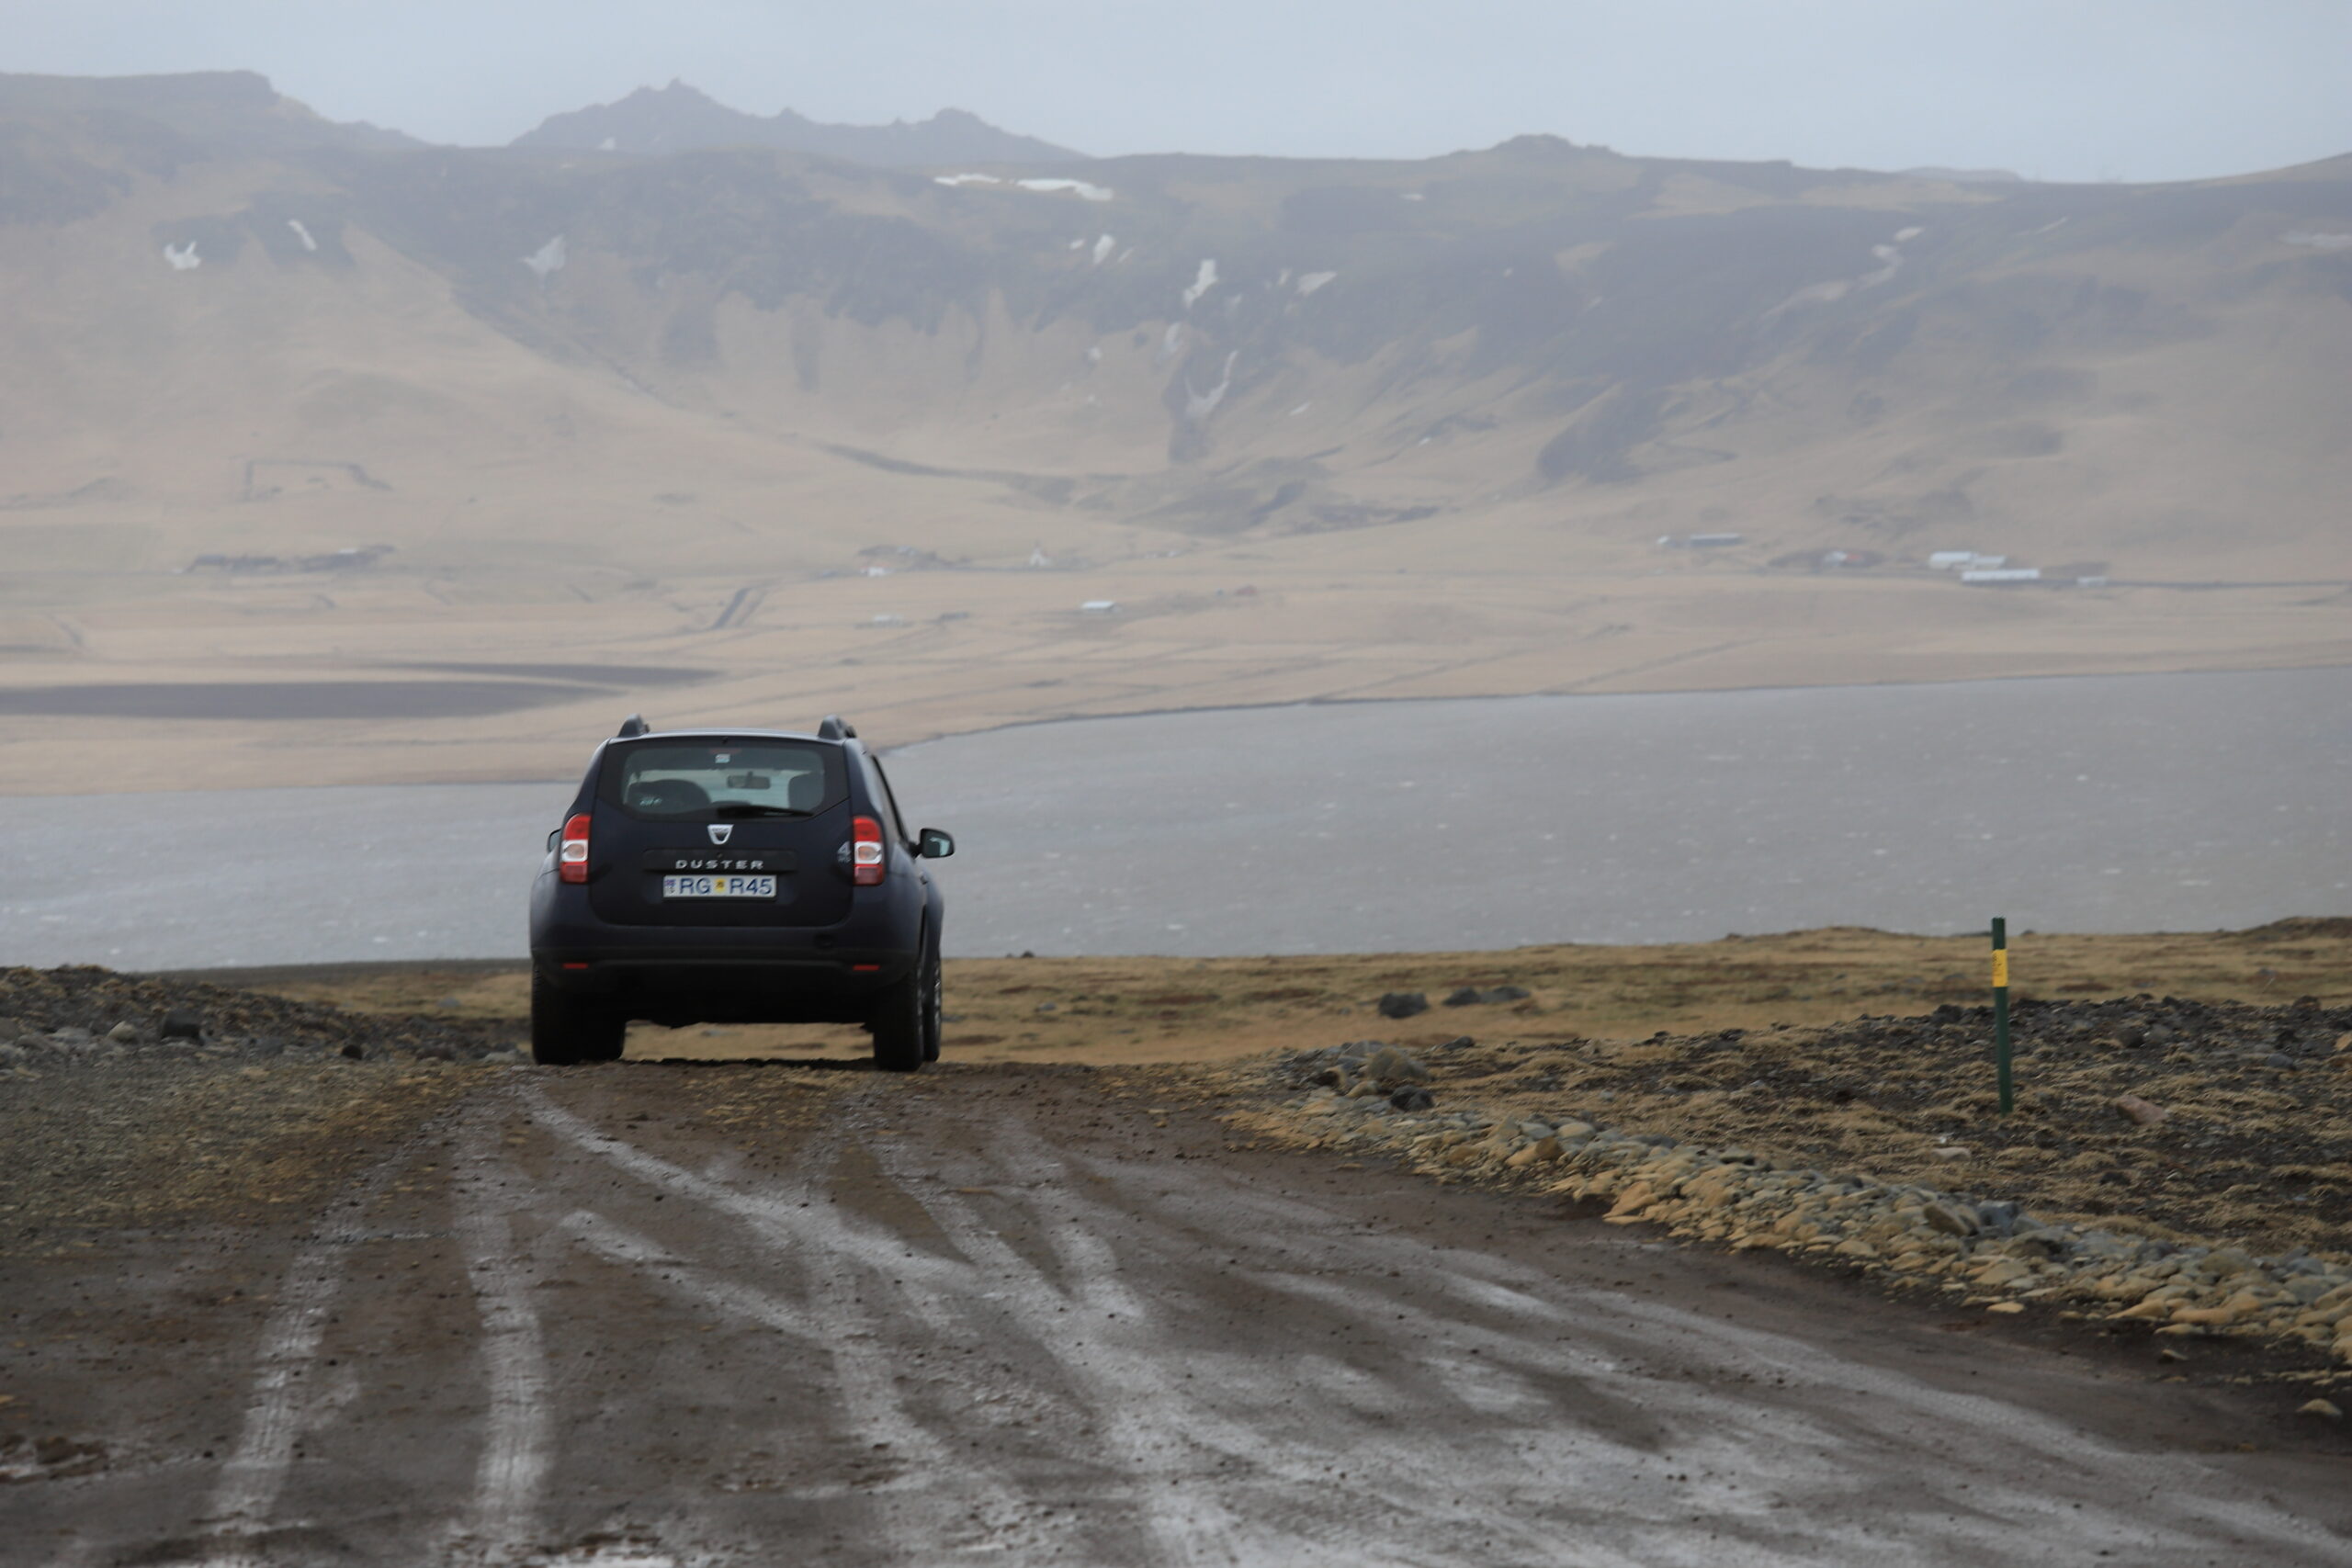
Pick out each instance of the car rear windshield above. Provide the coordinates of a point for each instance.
(722, 780)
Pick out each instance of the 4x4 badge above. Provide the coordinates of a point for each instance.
(721, 831)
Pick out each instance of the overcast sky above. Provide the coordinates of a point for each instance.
(2060, 89)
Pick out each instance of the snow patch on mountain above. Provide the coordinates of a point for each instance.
(548, 259)
(1202, 281)
(1198, 406)
(1079, 188)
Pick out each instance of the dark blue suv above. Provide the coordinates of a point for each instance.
(735, 877)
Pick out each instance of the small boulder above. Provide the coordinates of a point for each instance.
(1471, 996)
(1952, 1219)
(1412, 1097)
(1543, 1151)
(2224, 1262)
(355, 1053)
(1388, 1065)
(2138, 1111)
(2323, 1409)
(181, 1023)
(123, 1033)
(1403, 1004)
(2003, 1271)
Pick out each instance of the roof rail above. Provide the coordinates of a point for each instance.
(834, 729)
(632, 727)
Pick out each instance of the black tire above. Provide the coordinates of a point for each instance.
(565, 1030)
(898, 1023)
(935, 999)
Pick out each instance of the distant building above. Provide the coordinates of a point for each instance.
(1950, 560)
(1699, 541)
(1999, 575)
(1100, 607)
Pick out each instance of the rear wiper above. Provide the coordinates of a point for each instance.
(753, 808)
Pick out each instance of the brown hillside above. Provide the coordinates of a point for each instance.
(611, 410)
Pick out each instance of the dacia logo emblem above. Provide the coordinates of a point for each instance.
(721, 831)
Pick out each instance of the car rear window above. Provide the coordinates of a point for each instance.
(721, 781)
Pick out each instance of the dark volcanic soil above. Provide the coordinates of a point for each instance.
(660, 1314)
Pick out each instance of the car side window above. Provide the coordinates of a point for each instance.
(878, 786)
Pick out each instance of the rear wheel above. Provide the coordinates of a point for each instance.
(934, 999)
(565, 1030)
(906, 1022)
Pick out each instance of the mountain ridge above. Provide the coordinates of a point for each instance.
(238, 110)
(1578, 318)
(863, 439)
(656, 121)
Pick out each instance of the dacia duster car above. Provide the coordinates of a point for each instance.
(735, 877)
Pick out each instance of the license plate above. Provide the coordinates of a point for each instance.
(718, 887)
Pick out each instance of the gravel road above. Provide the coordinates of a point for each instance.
(669, 1314)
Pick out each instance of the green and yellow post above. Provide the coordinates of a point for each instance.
(2001, 1013)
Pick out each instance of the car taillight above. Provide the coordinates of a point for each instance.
(865, 856)
(572, 860)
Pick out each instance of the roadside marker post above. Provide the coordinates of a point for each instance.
(2001, 1013)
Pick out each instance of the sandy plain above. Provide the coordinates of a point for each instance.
(154, 680)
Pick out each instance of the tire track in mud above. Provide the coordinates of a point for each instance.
(923, 1514)
(1789, 1455)
(1082, 1348)
(1255, 1454)
(1160, 1444)
(286, 1400)
(1313, 1510)
(516, 1436)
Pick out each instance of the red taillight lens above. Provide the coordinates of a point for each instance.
(866, 854)
(572, 860)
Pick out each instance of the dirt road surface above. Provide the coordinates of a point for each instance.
(653, 1314)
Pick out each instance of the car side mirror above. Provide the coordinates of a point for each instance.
(932, 844)
(553, 834)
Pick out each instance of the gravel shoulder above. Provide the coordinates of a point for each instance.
(136, 1102)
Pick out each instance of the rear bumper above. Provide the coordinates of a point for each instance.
(715, 974)
(740, 991)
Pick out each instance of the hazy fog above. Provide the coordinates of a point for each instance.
(2058, 89)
